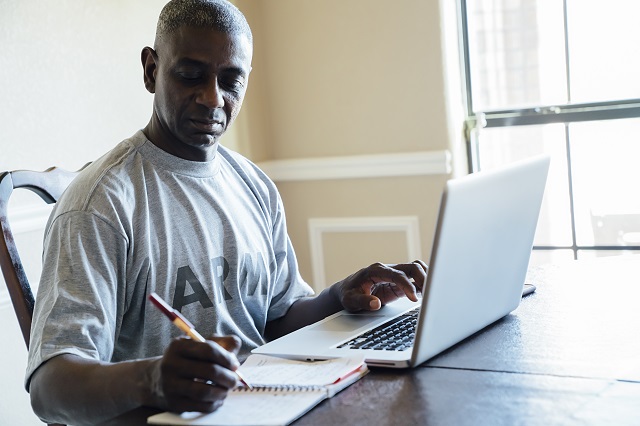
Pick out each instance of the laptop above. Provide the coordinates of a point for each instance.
(479, 260)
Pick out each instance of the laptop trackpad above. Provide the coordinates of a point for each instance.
(346, 322)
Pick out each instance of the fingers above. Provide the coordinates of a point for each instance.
(398, 275)
(196, 396)
(207, 361)
(416, 270)
(196, 376)
(356, 301)
(230, 343)
(379, 284)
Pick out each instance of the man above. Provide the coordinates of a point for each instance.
(171, 211)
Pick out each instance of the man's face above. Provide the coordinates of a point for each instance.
(199, 77)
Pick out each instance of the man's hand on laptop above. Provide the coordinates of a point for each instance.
(376, 285)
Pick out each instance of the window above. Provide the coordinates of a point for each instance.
(561, 77)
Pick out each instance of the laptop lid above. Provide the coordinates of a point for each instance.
(481, 253)
(479, 260)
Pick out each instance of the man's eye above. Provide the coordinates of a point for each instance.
(234, 84)
(190, 76)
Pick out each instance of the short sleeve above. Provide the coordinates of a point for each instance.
(78, 300)
(289, 283)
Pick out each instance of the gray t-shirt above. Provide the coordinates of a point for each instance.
(209, 237)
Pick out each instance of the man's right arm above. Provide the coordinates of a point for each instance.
(76, 390)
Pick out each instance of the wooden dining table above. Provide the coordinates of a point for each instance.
(568, 355)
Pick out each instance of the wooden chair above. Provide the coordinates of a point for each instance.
(49, 185)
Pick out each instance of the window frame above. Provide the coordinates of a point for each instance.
(538, 115)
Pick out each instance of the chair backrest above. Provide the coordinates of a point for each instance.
(49, 185)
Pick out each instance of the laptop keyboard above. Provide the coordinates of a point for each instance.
(394, 335)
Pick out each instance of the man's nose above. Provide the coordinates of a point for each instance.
(211, 95)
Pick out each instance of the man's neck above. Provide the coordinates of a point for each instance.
(166, 142)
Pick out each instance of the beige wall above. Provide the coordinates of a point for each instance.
(338, 78)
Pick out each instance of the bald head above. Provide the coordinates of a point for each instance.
(218, 15)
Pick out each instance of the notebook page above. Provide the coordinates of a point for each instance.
(265, 370)
(244, 407)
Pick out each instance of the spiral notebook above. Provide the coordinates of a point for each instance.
(283, 391)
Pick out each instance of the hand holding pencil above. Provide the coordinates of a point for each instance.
(181, 322)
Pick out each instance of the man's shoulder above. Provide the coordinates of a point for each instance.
(232, 156)
(243, 165)
(110, 173)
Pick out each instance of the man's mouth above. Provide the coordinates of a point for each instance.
(208, 126)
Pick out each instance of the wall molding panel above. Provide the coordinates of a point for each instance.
(359, 166)
(318, 227)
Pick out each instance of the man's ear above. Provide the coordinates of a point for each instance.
(149, 66)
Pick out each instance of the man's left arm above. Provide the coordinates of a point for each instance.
(368, 289)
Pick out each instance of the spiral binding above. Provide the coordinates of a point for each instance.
(281, 388)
